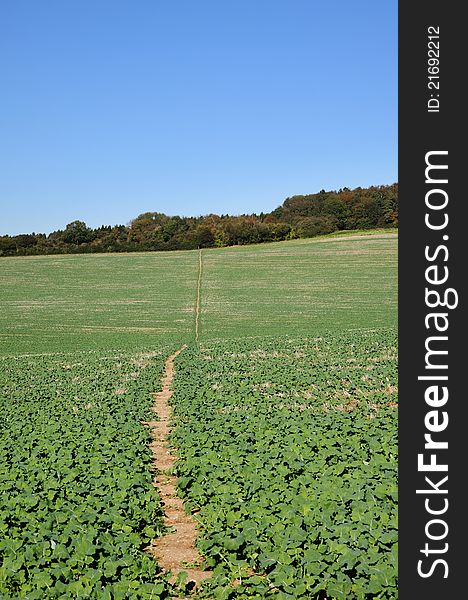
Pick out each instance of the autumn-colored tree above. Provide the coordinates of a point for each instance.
(298, 216)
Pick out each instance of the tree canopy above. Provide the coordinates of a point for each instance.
(298, 217)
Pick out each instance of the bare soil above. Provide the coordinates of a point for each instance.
(197, 310)
(176, 551)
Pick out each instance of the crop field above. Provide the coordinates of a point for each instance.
(83, 302)
(77, 500)
(284, 420)
(288, 451)
(300, 288)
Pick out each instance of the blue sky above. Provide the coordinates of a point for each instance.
(111, 108)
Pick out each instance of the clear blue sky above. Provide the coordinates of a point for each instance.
(111, 108)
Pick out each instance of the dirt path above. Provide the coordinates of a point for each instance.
(175, 551)
(197, 312)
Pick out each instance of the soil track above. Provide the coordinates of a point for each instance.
(176, 551)
(197, 313)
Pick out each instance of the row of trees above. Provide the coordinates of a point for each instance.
(297, 217)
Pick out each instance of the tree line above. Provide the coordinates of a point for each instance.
(298, 217)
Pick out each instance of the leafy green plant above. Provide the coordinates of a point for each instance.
(78, 502)
(288, 457)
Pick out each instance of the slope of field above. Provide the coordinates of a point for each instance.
(285, 414)
(79, 302)
(67, 302)
(302, 287)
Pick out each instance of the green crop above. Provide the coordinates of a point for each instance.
(302, 287)
(78, 507)
(285, 417)
(82, 302)
(288, 456)
(299, 288)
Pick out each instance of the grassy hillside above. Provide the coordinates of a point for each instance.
(79, 302)
(303, 287)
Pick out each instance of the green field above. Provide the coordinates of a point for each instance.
(77, 501)
(80, 302)
(299, 288)
(288, 451)
(304, 287)
(285, 414)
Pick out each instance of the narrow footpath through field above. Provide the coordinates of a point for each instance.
(197, 309)
(175, 551)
